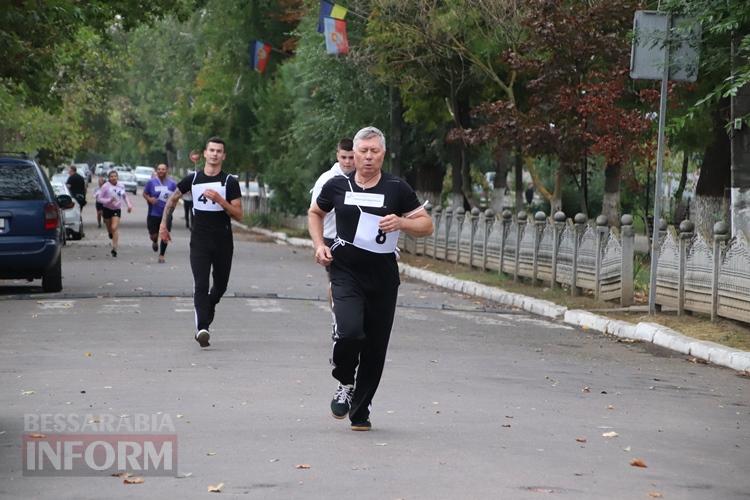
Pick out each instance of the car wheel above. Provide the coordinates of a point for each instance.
(52, 279)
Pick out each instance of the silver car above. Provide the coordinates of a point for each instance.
(143, 174)
(128, 180)
(71, 215)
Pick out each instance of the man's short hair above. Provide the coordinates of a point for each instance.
(369, 133)
(345, 144)
(73, 168)
(217, 140)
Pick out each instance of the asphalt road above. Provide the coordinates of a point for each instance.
(475, 402)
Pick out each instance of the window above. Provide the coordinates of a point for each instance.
(20, 182)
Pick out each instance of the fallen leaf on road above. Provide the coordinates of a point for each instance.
(627, 448)
(121, 474)
(302, 466)
(506, 425)
(698, 361)
(581, 440)
(381, 444)
(610, 407)
(215, 488)
(610, 434)
(655, 494)
(211, 453)
(183, 476)
(27, 393)
(586, 389)
(88, 354)
(272, 460)
(637, 462)
(133, 480)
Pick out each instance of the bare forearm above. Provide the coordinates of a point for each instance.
(315, 227)
(170, 206)
(417, 226)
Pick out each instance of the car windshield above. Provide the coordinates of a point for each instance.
(20, 182)
(125, 176)
(144, 170)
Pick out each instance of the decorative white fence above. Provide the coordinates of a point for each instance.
(579, 255)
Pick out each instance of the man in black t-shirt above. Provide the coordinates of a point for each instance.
(372, 207)
(77, 186)
(216, 200)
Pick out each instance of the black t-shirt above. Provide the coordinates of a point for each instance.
(399, 199)
(206, 220)
(76, 184)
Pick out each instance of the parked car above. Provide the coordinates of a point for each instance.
(60, 178)
(103, 168)
(31, 223)
(128, 180)
(71, 214)
(143, 174)
(84, 170)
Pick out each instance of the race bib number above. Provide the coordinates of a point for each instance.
(200, 202)
(370, 237)
(119, 192)
(163, 193)
(372, 200)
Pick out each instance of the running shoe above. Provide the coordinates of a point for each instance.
(161, 259)
(154, 246)
(114, 253)
(110, 235)
(363, 425)
(202, 337)
(342, 401)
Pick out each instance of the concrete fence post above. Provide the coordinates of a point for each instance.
(460, 216)
(520, 223)
(721, 235)
(558, 228)
(602, 231)
(579, 222)
(474, 224)
(540, 220)
(437, 216)
(507, 218)
(686, 236)
(627, 243)
(448, 220)
(489, 221)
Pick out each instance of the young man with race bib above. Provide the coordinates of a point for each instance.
(372, 207)
(216, 200)
(156, 193)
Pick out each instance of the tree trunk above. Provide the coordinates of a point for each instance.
(585, 187)
(555, 200)
(611, 199)
(500, 183)
(394, 140)
(711, 200)
(681, 209)
(519, 180)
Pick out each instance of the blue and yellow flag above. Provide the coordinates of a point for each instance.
(328, 9)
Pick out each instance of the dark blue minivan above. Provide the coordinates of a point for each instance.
(31, 226)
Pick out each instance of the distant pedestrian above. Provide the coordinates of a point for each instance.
(372, 207)
(216, 200)
(187, 203)
(77, 186)
(100, 181)
(112, 196)
(156, 192)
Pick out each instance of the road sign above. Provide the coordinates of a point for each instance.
(195, 156)
(650, 34)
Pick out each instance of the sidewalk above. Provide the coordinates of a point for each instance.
(657, 334)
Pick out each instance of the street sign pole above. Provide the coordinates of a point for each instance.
(659, 175)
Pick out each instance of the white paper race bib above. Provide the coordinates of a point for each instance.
(163, 193)
(370, 237)
(200, 202)
(372, 200)
(118, 192)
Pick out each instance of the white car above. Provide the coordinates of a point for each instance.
(72, 215)
(143, 174)
(128, 180)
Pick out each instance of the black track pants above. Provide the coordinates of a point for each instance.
(364, 304)
(210, 254)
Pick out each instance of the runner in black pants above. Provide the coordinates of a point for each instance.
(216, 198)
(372, 207)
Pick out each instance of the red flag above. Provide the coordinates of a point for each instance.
(259, 54)
(335, 33)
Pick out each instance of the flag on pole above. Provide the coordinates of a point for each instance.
(335, 33)
(259, 54)
(328, 9)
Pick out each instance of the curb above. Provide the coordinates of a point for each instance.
(644, 331)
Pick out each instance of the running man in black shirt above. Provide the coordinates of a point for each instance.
(216, 199)
(372, 207)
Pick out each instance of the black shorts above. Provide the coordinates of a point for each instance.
(108, 213)
(153, 222)
(99, 207)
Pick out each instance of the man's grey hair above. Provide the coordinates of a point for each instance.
(369, 133)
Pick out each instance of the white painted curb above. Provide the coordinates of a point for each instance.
(644, 331)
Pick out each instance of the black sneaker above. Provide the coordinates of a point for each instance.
(113, 252)
(202, 337)
(154, 246)
(110, 235)
(364, 425)
(342, 401)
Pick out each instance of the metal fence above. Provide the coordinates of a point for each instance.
(583, 255)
